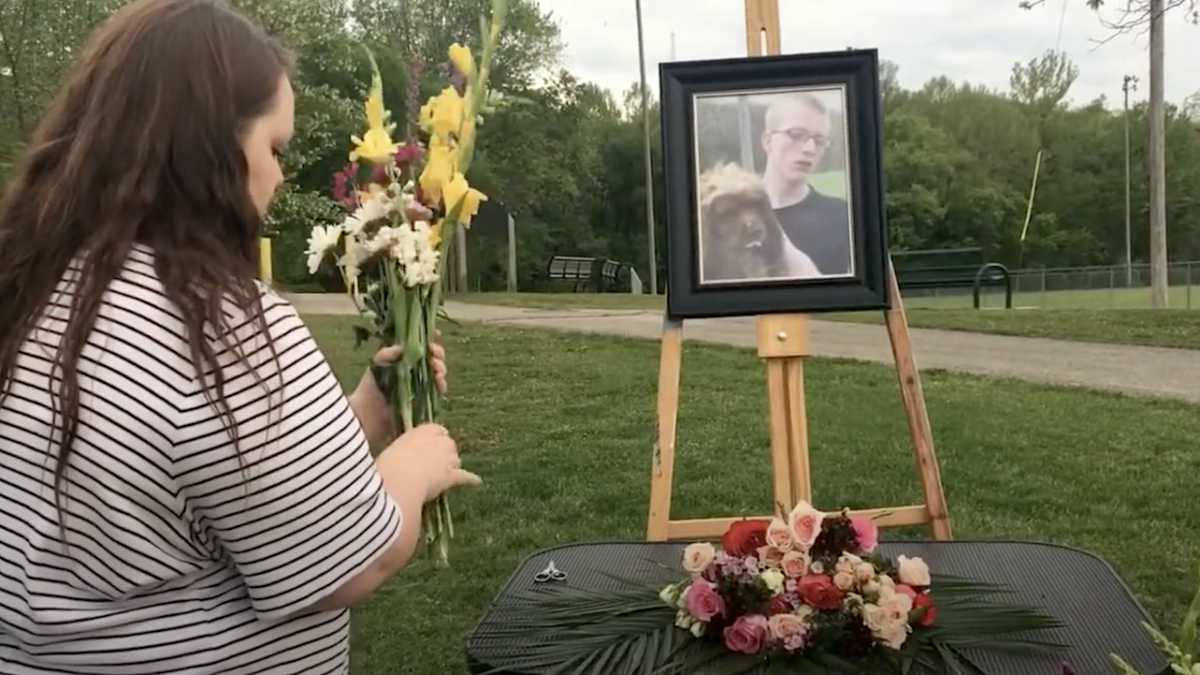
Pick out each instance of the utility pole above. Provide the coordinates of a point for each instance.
(646, 142)
(1158, 173)
(1129, 83)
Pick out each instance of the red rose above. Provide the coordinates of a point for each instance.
(778, 605)
(924, 612)
(819, 591)
(744, 537)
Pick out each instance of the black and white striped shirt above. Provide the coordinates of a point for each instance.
(178, 564)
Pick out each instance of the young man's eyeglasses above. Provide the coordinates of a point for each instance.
(801, 136)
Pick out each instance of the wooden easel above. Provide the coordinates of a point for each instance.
(783, 341)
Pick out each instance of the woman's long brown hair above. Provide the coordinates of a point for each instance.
(142, 145)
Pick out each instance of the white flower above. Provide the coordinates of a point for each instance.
(322, 240)
(773, 578)
(351, 261)
(380, 205)
(913, 571)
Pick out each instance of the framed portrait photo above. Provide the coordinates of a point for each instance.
(774, 185)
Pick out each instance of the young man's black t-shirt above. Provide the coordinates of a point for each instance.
(819, 225)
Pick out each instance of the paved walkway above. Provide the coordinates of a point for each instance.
(1145, 371)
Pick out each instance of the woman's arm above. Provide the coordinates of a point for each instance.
(303, 512)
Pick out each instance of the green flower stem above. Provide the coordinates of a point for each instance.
(437, 522)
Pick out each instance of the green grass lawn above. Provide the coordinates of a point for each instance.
(1154, 328)
(561, 427)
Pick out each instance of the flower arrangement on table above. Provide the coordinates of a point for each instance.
(391, 248)
(800, 591)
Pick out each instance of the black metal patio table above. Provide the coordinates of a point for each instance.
(1099, 614)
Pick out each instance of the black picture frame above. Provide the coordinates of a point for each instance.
(856, 74)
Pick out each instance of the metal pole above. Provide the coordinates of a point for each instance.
(646, 143)
(1129, 83)
(1158, 183)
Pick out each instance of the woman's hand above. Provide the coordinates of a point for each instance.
(428, 455)
(370, 406)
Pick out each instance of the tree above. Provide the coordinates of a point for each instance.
(1134, 14)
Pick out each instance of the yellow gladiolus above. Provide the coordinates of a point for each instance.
(447, 114)
(457, 192)
(461, 57)
(454, 190)
(470, 206)
(466, 132)
(376, 145)
(438, 171)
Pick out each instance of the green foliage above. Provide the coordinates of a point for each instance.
(566, 158)
(292, 216)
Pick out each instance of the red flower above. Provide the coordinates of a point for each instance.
(744, 537)
(344, 187)
(408, 154)
(923, 604)
(778, 605)
(819, 591)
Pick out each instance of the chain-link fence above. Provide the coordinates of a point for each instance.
(1076, 288)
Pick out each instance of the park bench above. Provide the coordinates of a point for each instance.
(583, 273)
(951, 268)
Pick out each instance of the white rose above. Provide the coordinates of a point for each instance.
(697, 557)
(774, 579)
(844, 580)
(893, 635)
(846, 563)
(895, 608)
(872, 616)
(913, 571)
(864, 571)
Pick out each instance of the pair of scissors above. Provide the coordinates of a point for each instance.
(551, 573)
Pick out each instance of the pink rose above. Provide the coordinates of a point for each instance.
(867, 532)
(779, 535)
(789, 629)
(805, 523)
(703, 601)
(783, 625)
(746, 634)
(794, 564)
(905, 589)
(770, 555)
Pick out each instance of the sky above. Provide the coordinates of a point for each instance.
(973, 40)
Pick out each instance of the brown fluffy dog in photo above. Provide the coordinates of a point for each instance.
(740, 237)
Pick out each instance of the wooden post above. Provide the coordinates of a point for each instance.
(783, 342)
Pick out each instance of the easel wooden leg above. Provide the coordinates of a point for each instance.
(783, 343)
(663, 473)
(918, 416)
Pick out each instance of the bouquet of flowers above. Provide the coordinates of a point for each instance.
(801, 590)
(391, 248)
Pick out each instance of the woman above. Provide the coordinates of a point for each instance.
(186, 489)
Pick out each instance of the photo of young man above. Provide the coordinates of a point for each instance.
(798, 131)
